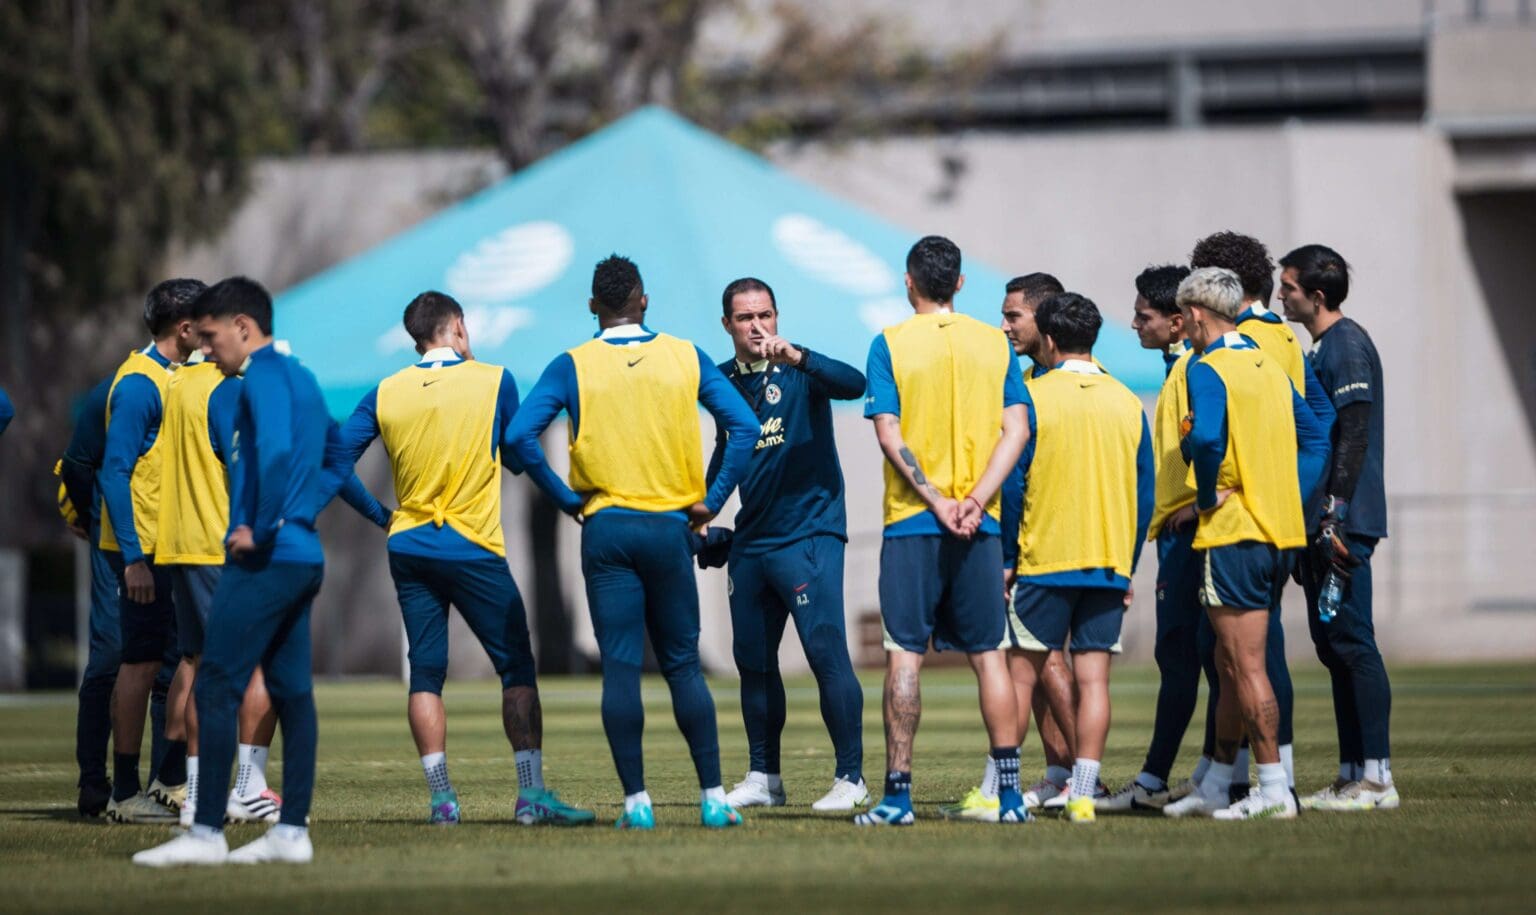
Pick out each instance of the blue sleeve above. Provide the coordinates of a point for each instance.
(1014, 391)
(222, 405)
(1012, 514)
(343, 446)
(506, 408)
(7, 411)
(1311, 448)
(83, 456)
(135, 406)
(1146, 480)
(880, 394)
(717, 457)
(1208, 434)
(554, 391)
(730, 411)
(271, 415)
(1317, 398)
(834, 379)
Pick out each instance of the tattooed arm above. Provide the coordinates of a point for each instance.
(947, 510)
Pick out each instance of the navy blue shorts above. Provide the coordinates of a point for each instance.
(487, 598)
(146, 628)
(193, 587)
(944, 589)
(1243, 576)
(1045, 616)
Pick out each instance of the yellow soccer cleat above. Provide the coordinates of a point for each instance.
(974, 806)
(1080, 810)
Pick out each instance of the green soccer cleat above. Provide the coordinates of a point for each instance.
(974, 806)
(537, 805)
(718, 815)
(639, 818)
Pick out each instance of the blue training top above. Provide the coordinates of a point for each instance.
(793, 486)
(1350, 371)
(83, 457)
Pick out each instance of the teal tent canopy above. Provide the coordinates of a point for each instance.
(692, 210)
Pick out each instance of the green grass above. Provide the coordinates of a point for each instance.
(1464, 758)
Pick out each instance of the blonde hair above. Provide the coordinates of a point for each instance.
(1216, 289)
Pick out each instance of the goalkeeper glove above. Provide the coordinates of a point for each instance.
(1328, 549)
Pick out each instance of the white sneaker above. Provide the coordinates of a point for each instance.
(845, 795)
(1059, 802)
(1194, 805)
(1133, 796)
(185, 849)
(1257, 807)
(140, 809)
(1039, 792)
(1361, 795)
(1182, 790)
(258, 808)
(753, 791)
(172, 797)
(1326, 798)
(275, 848)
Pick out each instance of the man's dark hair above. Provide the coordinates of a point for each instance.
(1071, 320)
(934, 265)
(746, 284)
(236, 296)
(1160, 287)
(1319, 268)
(1244, 255)
(1036, 287)
(428, 313)
(615, 280)
(170, 303)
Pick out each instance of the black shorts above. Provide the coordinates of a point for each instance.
(146, 628)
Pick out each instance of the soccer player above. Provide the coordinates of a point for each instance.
(442, 421)
(130, 482)
(1084, 511)
(1159, 324)
(1249, 259)
(1254, 461)
(197, 429)
(1314, 281)
(947, 401)
(637, 487)
(260, 615)
(786, 556)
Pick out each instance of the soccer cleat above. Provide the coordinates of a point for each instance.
(1011, 809)
(1040, 792)
(976, 806)
(186, 848)
(1238, 791)
(140, 809)
(718, 815)
(1257, 807)
(1194, 805)
(1080, 810)
(536, 805)
(1361, 795)
(1059, 802)
(885, 815)
(94, 798)
(1133, 796)
(639, 818)
(445, 809)
(845, 795)
(1182, 790)
(753, 791)
(275, 848)
(169, 795)
(1327, 797)
(258, 808)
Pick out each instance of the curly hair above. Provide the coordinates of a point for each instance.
(169, 303)
(614, 280)
(1244, 255)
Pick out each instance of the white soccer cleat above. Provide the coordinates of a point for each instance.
(1057, 801)
(1182, 790)
(1355, 796)
(258, 808)
(1133, 796)
(753, 791)
(1039, 792)
(844, 796)
(1258, 807)
(171, 796)
(274, 848)
(1194, 805)
(186, 848)
(141, 809)
(1326, 798)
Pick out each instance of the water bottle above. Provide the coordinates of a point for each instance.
(1333, 595)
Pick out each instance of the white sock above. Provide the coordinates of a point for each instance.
(638, 799)
(435, 767)
(1085, 778)
(206, 833)
(1058, 775)
(989, 779)
(530, 769)
(1240, 767)
(1201, 768)
(252, 776)
(191, 801)
(290, 832)
(1151, 782)
(1217, 782)
(1379, 771)
(1288, 760)
(1272, 782)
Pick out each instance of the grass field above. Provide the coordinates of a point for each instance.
(1464, 741)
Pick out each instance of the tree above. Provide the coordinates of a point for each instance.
(123, 127)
